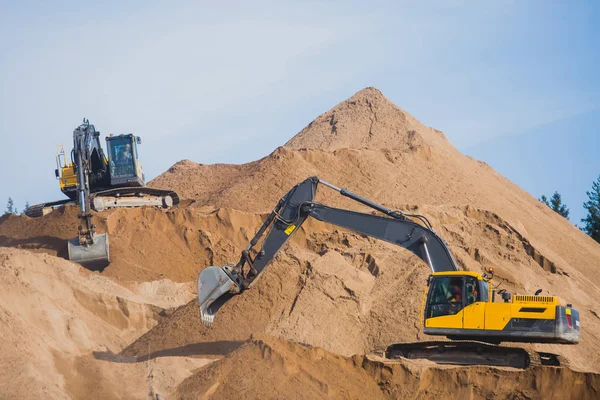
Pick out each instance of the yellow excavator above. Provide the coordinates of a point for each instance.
(460, 305)
(96, 181)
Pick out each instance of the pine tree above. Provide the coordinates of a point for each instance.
(10, 206)
(592, 221)
(556, 204)
(26, 207)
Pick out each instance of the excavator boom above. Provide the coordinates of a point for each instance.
(290, 213)
(88, 248)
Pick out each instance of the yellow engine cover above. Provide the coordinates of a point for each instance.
(68, 178)
(495, 316)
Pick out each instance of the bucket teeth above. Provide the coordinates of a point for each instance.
(206, 318)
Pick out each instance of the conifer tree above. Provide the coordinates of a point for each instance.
(10, 206)
(556, 204)
(592, 221)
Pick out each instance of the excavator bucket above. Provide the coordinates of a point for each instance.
(213, 286)
(95, 256)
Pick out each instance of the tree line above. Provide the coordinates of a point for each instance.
(592, 220)
(11, 209)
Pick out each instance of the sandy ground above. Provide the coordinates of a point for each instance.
(132, 331)
(60, 325)
(265, 367)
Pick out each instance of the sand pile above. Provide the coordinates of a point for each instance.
(146, 244)
(430, 172)
(331, 288)
(269, 368)
(53, 317)
(265, 367)
(487, 220)
(367, 121)
(349, 145)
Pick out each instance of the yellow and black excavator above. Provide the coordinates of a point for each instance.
(460, 305)
(97, 182)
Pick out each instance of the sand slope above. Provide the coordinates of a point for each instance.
(379, 151)
(345, 293)
(265, 367)
(54, 316)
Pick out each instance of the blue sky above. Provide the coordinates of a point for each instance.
(229, 81)
(559, 156)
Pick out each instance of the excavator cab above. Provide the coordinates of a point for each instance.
(449, 294)
(461, 305)
(124, 165)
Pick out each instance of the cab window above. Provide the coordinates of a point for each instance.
(484, 291)
(472, 290)
(121, 157)
(445, 296)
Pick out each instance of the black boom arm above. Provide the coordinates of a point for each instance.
(298, 204)
(90, 166)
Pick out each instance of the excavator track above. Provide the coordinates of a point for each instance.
(133, 197)
(115, 198)
(39, 210)
(473, 353)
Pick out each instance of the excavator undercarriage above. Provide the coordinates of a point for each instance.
(125, 197)
(474, 353)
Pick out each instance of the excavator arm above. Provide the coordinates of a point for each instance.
(217, 284)
(88, 248)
